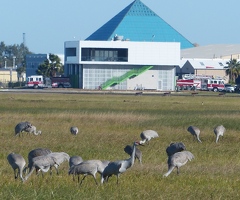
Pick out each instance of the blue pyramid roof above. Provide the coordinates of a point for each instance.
(137, 22)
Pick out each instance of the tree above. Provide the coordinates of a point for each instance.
(50, 67)
(8, 52)
(233, 70)
(21, 70)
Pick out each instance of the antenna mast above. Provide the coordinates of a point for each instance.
(24, 41)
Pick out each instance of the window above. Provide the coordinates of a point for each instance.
(101, 54)
(71, 52)
(220, 64)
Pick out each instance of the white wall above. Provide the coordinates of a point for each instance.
(147, 80)
(139, 53)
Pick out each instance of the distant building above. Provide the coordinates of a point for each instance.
(33, 61)
(210, 60)
(214, 51)
(8, 75)
(139, 23)
(122, 65)
(136, 49)
(215, 68)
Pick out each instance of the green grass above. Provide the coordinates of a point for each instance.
(107, 123)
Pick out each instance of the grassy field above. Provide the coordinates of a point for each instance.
(108, 123)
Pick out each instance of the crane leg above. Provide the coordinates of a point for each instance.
(117, 178)
(73, 177)
(177, 170)
(95, 179)
(83, 179)
(15, 174)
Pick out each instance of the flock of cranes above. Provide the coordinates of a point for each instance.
(43, 159)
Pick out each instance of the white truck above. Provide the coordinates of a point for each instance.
(35, 81)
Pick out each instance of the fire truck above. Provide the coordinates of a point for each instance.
(185, 84)
(35, 82)
(38, 81)
(60, 82)
(200, 82)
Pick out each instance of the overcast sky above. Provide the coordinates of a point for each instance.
(48, 23)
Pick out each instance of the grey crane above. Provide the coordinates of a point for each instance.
(174, 148)
(118, 167)
(177, 160)
(74, 130)
(219, 131)
(57, 157)
(88, 167)
(42, 163)
(34, 153)
(17, 162)
(33, 130)
(60, 157)
(138, 154)
(147, 135)
(22, 126)
(195, 131)
(75, 160)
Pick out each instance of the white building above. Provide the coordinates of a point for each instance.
(122, 65)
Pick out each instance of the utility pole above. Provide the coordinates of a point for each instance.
(24, 41)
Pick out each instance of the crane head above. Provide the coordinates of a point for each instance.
(138, 143)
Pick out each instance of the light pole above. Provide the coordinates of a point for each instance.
(5, 62)
(14, 57)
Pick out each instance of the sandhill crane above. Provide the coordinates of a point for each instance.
(36, 152)
(138, 154)
(42, 163)
(74, 130)
(60, 157)
(75, 160)
(85, 169)
(195, 131)
(147, 135)
(219, 131)
(88, 167)
(174, 148)
(22, 126)
(177, 160)
(33, 130)
(45, 162)
(17, 162)
(118, 167)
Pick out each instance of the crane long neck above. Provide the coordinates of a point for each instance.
(133, 154)
(29, 174)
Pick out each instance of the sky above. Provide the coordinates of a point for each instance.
(47, 24)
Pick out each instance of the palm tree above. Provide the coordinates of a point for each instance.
(55, 65)
(233, 70)
(50, 67)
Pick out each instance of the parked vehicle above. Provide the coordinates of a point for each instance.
(201, 83)
(35, 81)
(60, 82)
(38, 81)
(229, 88)
(214, 85)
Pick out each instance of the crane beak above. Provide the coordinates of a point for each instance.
(138, 143)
